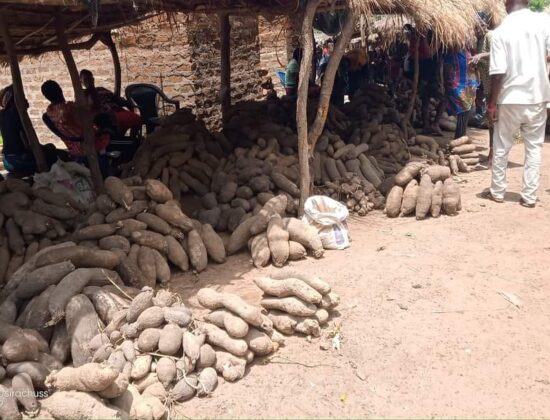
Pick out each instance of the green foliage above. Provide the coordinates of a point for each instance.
(538, 5)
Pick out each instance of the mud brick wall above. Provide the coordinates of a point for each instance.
(182, 58)
(204, 42)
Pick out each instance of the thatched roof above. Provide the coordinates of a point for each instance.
(453, 22)
(387, 29)
(31, 22)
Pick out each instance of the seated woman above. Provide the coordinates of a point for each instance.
(63, 116)
(18, 156)
(103, 101)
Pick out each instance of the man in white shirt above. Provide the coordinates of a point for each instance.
(521, 90)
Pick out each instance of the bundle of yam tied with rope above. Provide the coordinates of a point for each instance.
(77, 343)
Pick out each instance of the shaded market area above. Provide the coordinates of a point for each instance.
(310, 232)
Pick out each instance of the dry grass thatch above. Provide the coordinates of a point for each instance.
(31, 22)
(453, 22)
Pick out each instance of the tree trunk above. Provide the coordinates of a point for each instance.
(301, 104)
(328, 80)
(225, 53)
(20, 101)
(414, 92)
(81, 105)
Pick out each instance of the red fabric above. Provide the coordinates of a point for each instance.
(126, 120)
(64, 117)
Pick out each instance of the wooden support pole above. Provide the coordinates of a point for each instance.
(313, 75)
(414, 92)
(20, 101)
(328, 81)
(225, 53)
(107, 40)
(304, 154)
(363, 28)
(83, 108)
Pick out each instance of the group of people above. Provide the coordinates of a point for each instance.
(112, 118)
(112, 115)
(351, 71)
(455, 78)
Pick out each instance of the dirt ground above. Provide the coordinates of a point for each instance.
(425, 328)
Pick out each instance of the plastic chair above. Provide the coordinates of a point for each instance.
(144, 97)
(282, 77)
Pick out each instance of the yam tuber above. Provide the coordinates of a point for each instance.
(410, 196)
(277, 239)
(211, 299)
(290, 305)
(287, 288)
(394, 201)
(424, 201)
(451, 197)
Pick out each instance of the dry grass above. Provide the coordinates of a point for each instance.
(453, 22)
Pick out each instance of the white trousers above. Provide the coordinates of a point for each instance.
(531, 120)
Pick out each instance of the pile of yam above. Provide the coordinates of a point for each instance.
(423, 191)
(30, 220)
(235, 172)
(78, 343)
(142, 223)
(447, 122)
(371, 123)
(94, 347)
(271, 237)
(297, 303)
(460, 155)
(237, 331)
(231, 180)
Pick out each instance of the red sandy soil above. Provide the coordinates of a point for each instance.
(425, 329)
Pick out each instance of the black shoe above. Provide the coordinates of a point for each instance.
(489, 196)
(525, 204)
